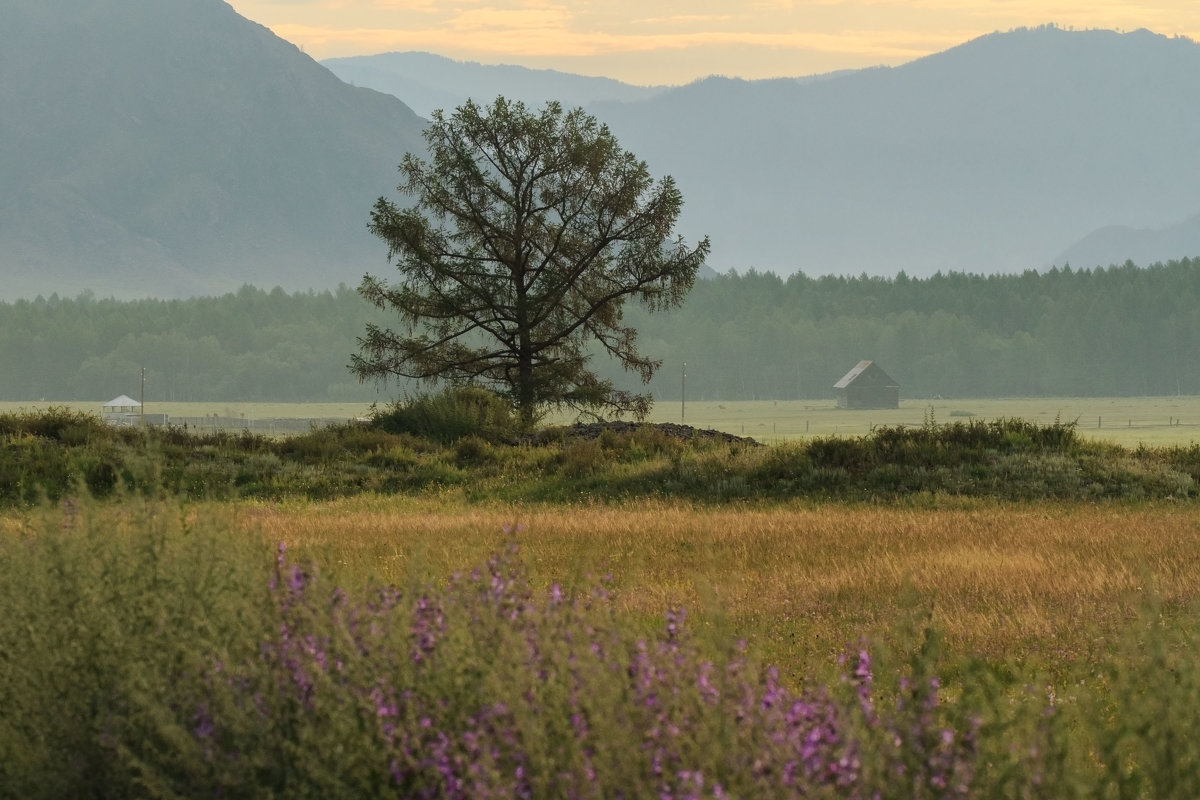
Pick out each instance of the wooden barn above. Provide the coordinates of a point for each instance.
(867, 386)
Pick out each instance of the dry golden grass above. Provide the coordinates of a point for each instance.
(1041, 582)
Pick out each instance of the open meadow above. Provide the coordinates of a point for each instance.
(987, 610)
(1123, 420)
(1129, 421)
(1043, 583)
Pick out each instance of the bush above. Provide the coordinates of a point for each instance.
(1012, 459)
(58, 423)
(450, 415)
(473, 451)
(581, 458)
(104, 628)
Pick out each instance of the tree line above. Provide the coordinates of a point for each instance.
(251, 345)
(1119, 331)
(1116, 331)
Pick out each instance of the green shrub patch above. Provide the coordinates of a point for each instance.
(463, 439)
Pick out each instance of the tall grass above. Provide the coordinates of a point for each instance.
(451, 414)
(157, 652)
(103, 622)
(1048, 583)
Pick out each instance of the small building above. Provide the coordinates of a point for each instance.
(867, 386)
(123, 410)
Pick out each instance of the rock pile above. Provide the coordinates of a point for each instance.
(592, 430)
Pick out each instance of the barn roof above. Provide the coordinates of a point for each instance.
(861, 367)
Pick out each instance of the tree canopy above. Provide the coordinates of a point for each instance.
(530, 230)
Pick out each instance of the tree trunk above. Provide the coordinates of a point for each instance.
(526, 400)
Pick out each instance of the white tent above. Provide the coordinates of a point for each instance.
(121, 410)
(123, 404)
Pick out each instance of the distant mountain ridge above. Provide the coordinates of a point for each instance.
(993, 156)
(171, 148)
(428, 82)
(1118, 244)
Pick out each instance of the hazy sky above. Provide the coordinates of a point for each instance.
(671, 41)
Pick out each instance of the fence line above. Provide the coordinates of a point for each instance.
(268, 426)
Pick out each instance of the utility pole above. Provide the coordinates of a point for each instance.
(142, 399)
(683, 395)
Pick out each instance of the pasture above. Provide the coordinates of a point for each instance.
(1128, 421)
(1045, 584)
(225, 600)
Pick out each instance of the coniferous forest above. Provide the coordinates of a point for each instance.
(1120, 331)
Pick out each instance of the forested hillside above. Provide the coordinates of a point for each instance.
(1119, 331)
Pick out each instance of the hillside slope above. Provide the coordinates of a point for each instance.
(993, 156)
(428, 82)
(172, 147)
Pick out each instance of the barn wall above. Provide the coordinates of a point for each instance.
(869, 397)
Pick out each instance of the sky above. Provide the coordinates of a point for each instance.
(656, 42)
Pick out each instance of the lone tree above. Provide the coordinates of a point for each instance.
(529, 232)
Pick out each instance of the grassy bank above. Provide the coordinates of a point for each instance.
(59, 452)
(1127, 421)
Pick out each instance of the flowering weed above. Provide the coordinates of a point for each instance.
(164, 656)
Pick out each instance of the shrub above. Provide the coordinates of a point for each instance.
(58, 423)
(834, 452)
(450, 415)
(104, 626)
(581, 458)
(318, 446)
(33, 469)
(472, 451)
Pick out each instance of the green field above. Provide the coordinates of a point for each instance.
(1129, 421)
(1123, 420)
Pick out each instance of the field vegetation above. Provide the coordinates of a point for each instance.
(1128, 421)
(423, 607)
(471, 447)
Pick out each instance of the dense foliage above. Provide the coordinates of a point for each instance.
(1122, 331)
(158, 655)
(248, 346)
(461, 444)
(529, 232)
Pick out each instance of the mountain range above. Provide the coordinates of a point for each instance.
(428, 82)
(994, 156)
(173, 148)
(1017, 150)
